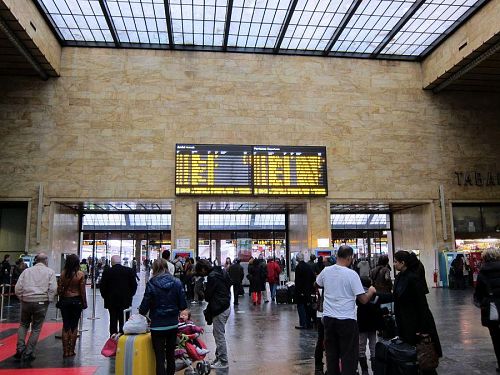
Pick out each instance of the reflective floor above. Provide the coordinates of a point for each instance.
(261, 339)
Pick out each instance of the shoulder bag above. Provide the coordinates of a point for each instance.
(427, 356)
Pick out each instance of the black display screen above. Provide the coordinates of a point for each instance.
(250, 170)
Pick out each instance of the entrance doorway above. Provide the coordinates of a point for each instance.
(129, 234)
(369, 234)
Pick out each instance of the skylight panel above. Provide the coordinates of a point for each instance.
(139, 21)
(313, 24)
(198, 22)
(434, 19)
(370, 24)
(78, 20)
(256, 23)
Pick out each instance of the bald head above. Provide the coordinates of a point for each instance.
(115, 259)
(42, 258)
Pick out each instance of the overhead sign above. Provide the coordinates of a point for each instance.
(250, 170)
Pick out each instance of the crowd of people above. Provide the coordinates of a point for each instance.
(343, 300)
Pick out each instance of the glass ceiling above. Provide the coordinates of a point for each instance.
(241, 221)
(127, 221)
(360, 221)
(397, 29)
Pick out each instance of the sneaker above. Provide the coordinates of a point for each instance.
(218, 364)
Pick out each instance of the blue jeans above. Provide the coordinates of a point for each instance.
(301, 309)
(273, 291)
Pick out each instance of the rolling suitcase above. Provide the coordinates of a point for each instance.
(135, 355)
(394, 357)
(282, 294)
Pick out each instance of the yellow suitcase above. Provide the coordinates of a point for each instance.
(135, 355)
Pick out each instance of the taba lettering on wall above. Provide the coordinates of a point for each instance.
(473, 178)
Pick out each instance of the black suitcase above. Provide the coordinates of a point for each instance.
(282, 294)
(291, 294)
(394, 357)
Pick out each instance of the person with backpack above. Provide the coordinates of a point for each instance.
(381, 275)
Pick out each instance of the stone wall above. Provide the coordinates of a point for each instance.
(107, 128)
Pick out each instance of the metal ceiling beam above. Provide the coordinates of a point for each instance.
(466, 68)
(22, 49)
(284, 27)
(347, 17)
(171, 44)
(228, 23)
(109, 21)
(409, 14)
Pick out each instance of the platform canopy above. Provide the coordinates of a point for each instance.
(383, 29)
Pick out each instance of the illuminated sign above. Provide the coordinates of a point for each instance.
(250, 170)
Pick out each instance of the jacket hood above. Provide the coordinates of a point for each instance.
(491, 266)
(164, 281)
(216, 272)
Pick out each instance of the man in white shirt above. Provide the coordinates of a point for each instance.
(166, 255)
(35, 288)
(342, 287)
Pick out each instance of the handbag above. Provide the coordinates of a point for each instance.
(208, 315)
(110, 346)
(427, 356)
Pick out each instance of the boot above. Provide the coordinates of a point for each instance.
(72, 343)
(64, 339)
(364, 365)
(372, 364)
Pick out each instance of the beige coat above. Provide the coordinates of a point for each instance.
(37, 284)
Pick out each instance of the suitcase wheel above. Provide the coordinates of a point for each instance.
(203, 368)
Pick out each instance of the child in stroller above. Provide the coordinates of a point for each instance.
(190, 348)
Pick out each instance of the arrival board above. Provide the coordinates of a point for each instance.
(250, 170)
(213, 170)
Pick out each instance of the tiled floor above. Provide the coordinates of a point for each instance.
(261, 340)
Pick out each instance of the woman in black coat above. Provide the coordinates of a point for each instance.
(257, 280)
(488, 290)
(413, 316)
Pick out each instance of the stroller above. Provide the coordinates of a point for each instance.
(186, 355)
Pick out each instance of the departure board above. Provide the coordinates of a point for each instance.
(250, 170)
(287, 170)
(213, 170)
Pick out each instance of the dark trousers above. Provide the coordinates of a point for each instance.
(236, 292)
(71, 310)
(495, 338)
(116, 320)
(341, 343)
(164, 347)
(320, 346)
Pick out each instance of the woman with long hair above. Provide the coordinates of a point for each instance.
(413, 317)
(164, 298)
(72, 299)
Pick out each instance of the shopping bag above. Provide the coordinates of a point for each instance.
(136, 324)
(110, 346)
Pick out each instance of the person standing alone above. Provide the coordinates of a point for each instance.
(35, 288)
(342, 286)
(118, 286)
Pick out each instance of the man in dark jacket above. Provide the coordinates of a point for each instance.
(218, 296)
(304, 288)
(236, 274)
(118, 286)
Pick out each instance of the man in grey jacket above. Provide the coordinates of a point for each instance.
(35, 288)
